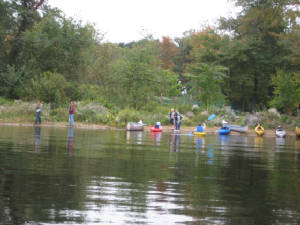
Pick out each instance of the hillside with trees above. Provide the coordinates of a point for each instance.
(250, 62)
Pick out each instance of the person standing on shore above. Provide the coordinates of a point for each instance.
(71, 114)
(178, 121)
(172, 118)
(38, 110)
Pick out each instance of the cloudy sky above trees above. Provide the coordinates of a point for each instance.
(125, 21)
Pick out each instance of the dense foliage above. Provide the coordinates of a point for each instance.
(44, 55)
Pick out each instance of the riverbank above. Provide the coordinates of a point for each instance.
(168, 129)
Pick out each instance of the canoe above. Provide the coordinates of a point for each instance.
(131, 126)
(280, 132)
(153, 129)
(224, 130)
(237, 128)
(199, 133)
(297, 130)
(259, 130)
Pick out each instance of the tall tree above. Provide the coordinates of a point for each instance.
(206, 80)
(257, 48)
(168, 51)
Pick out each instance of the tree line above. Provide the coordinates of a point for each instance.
(250, 62)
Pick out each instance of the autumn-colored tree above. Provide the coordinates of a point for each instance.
(168, 51)
(206, 45)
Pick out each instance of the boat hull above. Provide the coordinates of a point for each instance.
(259, 130)
(280, 133)
(153, 129)
(240, 129)
(224, 130)
(297, 130)
(131, 126)
(199, 133)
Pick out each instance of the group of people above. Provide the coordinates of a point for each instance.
(175, 119)
(38, 110)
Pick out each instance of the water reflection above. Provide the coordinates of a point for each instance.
(134, 137)
(105, 183)
(37, 130)
(174, 144)
(280, 142)
(156, 136)
(70, 140)
(210, 156)
(224, 141)
(258, 141)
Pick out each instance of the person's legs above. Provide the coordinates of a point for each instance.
(38, 118)
(178, 125)
(71, 119)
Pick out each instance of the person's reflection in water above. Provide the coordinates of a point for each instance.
(37, 138)
(70, 140)
(174, 143)
(210, 156)
(156, 136)
(200, 145)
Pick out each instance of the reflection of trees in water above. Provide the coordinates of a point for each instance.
(246, 189)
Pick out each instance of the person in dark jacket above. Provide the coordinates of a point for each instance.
(178, 120)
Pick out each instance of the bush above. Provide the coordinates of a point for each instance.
(50, 88)
(128, 115)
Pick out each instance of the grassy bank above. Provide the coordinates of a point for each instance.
(95, 113)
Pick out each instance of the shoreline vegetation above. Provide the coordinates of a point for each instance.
(92, 115)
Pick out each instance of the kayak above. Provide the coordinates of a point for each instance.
(237, 128)
(224, 130)
(259, 130)
(280, 132)
(297, 130)
(199, 133)
(153, 129)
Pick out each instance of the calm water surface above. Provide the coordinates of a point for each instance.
(66, 176)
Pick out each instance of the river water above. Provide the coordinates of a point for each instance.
(66, 176)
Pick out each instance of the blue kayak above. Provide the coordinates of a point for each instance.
(224, 130)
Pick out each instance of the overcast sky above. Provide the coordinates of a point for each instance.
(129, 20)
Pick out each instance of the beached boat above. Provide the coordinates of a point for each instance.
(259, 130)
(297, 130)
(224, 130)
(280, 132)
(153, 129)
(199, 133)
(240, 129)
(132, 126)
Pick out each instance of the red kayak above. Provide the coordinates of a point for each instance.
(153, 129)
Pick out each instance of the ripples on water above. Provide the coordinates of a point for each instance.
(66, 176)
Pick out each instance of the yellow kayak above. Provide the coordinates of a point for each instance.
(259, 130)
(297, 130)
(199, 133)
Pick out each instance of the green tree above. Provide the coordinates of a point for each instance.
(257, 49)
(206, 82)
(50, 88)
(286, 91)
